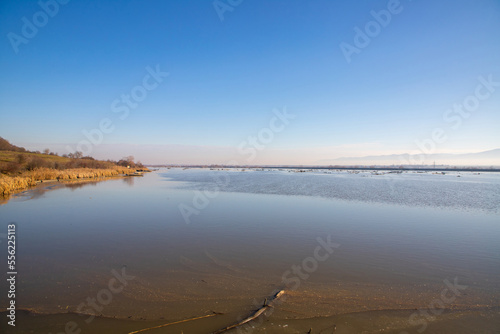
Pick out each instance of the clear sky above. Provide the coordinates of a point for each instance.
(359, 77)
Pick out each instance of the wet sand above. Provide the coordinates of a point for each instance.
(388, 321)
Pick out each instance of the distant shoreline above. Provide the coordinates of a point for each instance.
(377, 168)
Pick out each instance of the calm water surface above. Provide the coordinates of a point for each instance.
(197, 241)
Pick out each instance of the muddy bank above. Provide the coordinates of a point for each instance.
(483, 320)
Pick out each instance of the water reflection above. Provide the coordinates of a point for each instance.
(391, 256)
(41, 189)
(129, 181)
(77, 185)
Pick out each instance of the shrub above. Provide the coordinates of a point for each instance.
(12, 168)
(36, 162)
(21, 158)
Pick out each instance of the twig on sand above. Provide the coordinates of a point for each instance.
(255, 315)
(173, 323)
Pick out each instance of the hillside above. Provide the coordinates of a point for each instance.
(6, 146)
(21, 169)
(12, 162)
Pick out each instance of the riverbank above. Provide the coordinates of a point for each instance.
(462, 320)
(10, 184)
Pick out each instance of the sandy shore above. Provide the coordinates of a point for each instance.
(481, 320)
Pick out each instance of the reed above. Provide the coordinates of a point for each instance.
(27, 179)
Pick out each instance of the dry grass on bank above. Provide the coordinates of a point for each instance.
(9, 184)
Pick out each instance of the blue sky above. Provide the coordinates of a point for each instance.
(225, 78)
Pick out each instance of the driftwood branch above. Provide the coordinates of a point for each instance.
(267, 305)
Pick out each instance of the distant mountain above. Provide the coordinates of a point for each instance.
(486, 158)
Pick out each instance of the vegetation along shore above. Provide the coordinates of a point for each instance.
(21, 169)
